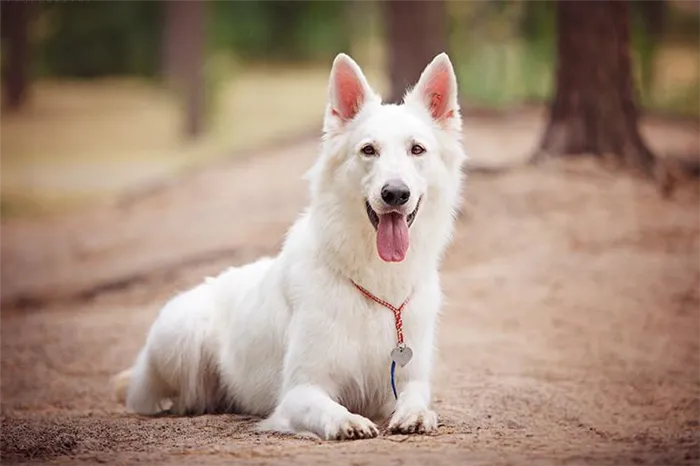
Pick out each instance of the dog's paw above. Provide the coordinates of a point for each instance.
(353, 427)
(413, 421)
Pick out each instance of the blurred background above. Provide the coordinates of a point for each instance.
(147, 144)
(101, 98)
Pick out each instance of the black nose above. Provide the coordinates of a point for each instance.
(395, 193)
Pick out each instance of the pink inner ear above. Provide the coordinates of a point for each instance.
(436, 93)
(349, 92)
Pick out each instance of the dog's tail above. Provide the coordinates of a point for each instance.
(120, 382)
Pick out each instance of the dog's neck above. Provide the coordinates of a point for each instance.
(350, 250)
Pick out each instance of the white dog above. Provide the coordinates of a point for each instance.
(302, 339)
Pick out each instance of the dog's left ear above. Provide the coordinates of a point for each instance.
(436, 91)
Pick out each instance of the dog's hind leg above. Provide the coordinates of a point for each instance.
(177, 364)
(147, 393)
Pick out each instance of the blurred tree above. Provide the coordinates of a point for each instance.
(184, 45)
(113, 38)
(416, 33)
(15, 76)
(594, 109)
(171, 43)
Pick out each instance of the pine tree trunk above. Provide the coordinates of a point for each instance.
(15, 18)
(184, 59)
(171, 44)
(594, 109)
(416, 33)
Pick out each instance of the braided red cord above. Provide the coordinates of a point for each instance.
(396, 310)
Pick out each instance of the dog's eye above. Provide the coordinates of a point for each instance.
(369, 150)
(417, 149)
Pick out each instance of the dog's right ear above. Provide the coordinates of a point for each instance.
(348, 91)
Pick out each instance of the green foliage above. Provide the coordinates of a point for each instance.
(286, 31)
(644, 44)
(90, 39)
(504, 51)
(87, 39)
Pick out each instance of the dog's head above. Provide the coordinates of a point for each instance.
(390, 163)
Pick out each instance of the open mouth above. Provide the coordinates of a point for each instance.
(392, 232)
(374, 217)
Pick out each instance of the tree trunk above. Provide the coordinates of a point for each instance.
(594, 109)
(416, 33)
(171, 43)
(184, 59)
(15, 18)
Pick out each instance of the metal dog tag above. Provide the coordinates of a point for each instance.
(401, 355)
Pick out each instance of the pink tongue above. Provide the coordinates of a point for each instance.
(392, 237)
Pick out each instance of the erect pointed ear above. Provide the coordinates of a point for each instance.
(436, 90)
(348, 89)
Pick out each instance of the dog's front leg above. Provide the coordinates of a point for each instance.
(317, 363)
(412, 414)
(310, 408)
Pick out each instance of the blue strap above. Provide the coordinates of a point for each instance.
(393, 380)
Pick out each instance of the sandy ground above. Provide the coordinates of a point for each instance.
(571, 334)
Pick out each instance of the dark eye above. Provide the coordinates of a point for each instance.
(369, 150)
(417, 149)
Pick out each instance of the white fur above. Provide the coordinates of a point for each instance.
(289, 338)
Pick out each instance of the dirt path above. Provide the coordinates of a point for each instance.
(571, 334)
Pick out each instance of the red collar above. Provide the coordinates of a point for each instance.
(396, 310)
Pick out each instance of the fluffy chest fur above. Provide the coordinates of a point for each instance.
(348, 341)
(278, 324)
